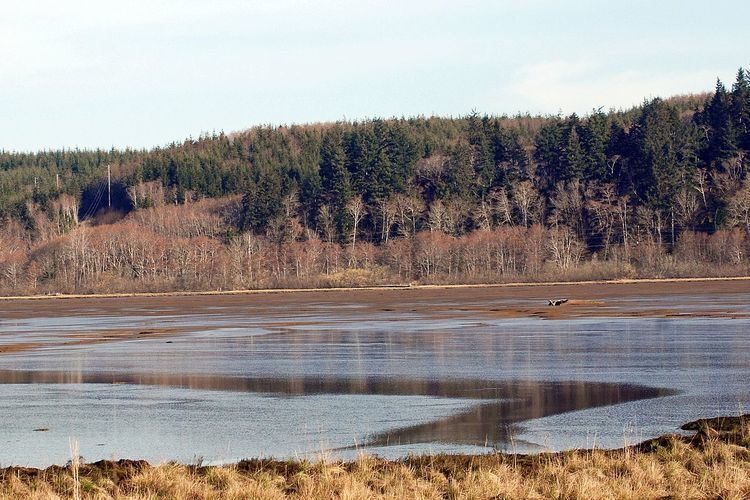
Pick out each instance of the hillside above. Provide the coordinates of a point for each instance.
(660, 189)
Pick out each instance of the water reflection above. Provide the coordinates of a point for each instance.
(517, 401)
(500, 405)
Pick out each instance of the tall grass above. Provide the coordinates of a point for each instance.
(714, 464)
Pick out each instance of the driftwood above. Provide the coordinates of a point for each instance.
(557, 302)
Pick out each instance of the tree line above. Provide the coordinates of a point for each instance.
(599, 188)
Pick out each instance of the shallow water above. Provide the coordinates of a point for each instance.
(234, 382)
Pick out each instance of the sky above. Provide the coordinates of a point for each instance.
(144, 73)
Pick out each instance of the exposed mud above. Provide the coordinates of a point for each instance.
(585, 299)
(67, 340)
(283, 310)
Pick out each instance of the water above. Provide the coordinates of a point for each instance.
(230, 379)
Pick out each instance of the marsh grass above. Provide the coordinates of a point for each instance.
(715, 463)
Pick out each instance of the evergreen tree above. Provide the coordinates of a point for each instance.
(662, 155)
(334, 178)
(482, 154)
(740, 108)
(573, 160)
(722, 142)
(310, 197)
(361, 149)
(403, 153)
(262, 203)
(383, 177)
(508, 154)
(595, 137)
(460, 173)
(548, 152)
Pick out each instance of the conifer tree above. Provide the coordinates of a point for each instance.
(595, 135)
(662, 155)
(460, 174)
(482, 153)
(548, 152)
(722, 142)
(740, 108)
(262, 203)
(334, 178)
(573, 159)
(361, 148)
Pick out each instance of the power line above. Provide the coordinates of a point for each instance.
(95, 205)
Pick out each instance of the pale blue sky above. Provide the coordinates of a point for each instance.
(98, 73)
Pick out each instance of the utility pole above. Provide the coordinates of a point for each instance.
(109, 186)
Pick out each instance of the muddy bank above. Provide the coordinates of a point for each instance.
(585, 299)
(281, 311)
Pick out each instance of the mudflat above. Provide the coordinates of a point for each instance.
(636, 298)
(278, 372)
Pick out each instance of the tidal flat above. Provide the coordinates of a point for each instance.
(390, 373)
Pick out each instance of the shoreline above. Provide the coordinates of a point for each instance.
(271, 291)
(713, 462)
(726, 426)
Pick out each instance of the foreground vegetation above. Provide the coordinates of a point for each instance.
(658, 190)
(715, 463)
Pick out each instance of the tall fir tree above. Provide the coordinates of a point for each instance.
(335, 180)
(573, 161)
(722, 143)
(548, 144)
(595, 136)
(460, 173)
(740, 108)
(262, 203)
(662, 155)
(482, 153)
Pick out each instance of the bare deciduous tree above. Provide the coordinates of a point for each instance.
(325, 219)
(567, 206)
(688, 206)
(356, 208)
(483, 216)
(502, 206)
(565, 247)
(409, 209)
(739, 207)
(388, 210)
(525, 197)
(603, 209)
(436, 216)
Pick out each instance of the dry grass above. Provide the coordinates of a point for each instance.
(713, 464)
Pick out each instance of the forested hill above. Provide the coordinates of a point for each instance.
(656, 155)
(609, 178)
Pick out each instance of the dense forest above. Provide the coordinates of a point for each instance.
(658, 190)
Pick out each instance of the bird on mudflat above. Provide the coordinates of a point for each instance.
(557, 302)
